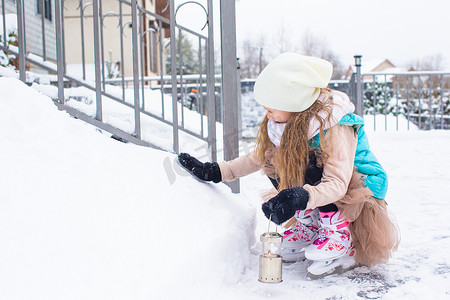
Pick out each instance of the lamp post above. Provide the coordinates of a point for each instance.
(359, 100)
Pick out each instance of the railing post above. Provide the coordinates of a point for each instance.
(63, 37)
(21, 37)
(98, 78)
(239, 98)
(210, 83)
(42, 9)
(359, 101)
(200, 89)
(180, 57)
(102, 50)
(173, 54)
(351, 89)
(442, 100)
(122, 66)
(5, 36)
(229, 84)
(135, 39)
(161, 67)
(83, 60)
(59, 51)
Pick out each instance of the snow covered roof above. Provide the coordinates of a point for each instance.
(371, 65)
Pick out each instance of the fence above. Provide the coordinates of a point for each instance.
(419, 99)
(422, 98)
(125, 50)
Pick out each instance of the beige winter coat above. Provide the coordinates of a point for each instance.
(337, 171)
(374, 234)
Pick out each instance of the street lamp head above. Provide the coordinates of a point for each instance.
(357, 60)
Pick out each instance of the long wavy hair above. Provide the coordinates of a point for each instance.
(292, 156)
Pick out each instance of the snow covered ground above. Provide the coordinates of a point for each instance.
(83, 216)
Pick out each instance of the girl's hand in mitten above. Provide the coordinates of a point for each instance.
(283, 206)
(208, 171)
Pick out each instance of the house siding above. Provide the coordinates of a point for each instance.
(33, 28)
(33, 31)
(111, 35)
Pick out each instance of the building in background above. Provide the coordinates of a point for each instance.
(36, 24)
(371, 65)
(110, 10)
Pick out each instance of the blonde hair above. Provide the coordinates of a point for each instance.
(292, 157)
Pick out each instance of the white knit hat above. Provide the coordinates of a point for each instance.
(292, 82)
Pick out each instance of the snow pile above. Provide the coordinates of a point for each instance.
(85, 217)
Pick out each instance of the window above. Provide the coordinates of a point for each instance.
(47, 8)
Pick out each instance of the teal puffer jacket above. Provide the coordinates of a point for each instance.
(365, 160)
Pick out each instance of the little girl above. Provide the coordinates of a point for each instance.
(330, 188)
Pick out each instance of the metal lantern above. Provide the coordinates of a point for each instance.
(270, 261)
(357, 60)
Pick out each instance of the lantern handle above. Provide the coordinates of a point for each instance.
(268, 226)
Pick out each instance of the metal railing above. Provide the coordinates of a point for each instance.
(422, 98)
(157, 61)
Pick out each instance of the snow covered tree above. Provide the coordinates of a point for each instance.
(188, 58)
(378, 98)
(7, 59)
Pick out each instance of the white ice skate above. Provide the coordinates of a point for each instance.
(332, 252)
(333, 239)
(301, 235)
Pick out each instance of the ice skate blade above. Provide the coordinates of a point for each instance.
(320, 269)
(293, 261)
(290, 257)
(337, 270)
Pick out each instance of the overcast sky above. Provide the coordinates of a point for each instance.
(400, 30)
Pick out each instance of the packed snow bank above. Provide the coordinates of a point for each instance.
(85, 217)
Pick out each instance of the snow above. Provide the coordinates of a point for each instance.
(83, 216)
(8, 72)
(76, 70)
(11, 24)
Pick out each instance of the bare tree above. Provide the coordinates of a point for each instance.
(254, 55)
(311, 45)
(252, 58)
(314, 46)
(427, 63)
(283, 39)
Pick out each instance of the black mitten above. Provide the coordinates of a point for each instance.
(208, 171)
(283, 206)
